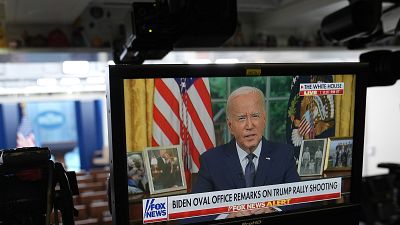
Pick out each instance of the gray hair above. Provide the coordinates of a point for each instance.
(135, 162)
(242, 91)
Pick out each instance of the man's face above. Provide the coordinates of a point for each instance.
(135, 169)
(140, 171)
(163, 153)
(247, 120)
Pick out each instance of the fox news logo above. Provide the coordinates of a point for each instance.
(155, 209)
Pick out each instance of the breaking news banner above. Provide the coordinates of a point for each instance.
(202, 204)
(316, 89)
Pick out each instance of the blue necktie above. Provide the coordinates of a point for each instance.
(250, 171)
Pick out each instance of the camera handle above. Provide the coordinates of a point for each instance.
(63, 200)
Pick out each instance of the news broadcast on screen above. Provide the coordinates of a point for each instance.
(188, 141)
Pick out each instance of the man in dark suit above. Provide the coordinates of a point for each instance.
(168, 171)
(248, 160)
(164, 167)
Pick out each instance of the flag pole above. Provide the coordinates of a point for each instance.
(184, 133)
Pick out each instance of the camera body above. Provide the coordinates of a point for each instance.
(33, 186)
(161, 26)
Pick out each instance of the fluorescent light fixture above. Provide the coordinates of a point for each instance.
(95, 88)
(260, 61)
(32, 90)
(68, 81)
(46, 82)
(199, 61)
(75, 67)
(226, 61)
(95, 80)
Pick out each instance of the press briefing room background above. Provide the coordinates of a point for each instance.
(54, 58)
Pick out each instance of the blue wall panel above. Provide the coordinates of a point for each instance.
(87, 131)
(2, 131)
(9, 121)
(99, 124)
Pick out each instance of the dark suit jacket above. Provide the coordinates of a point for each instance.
(220, 167)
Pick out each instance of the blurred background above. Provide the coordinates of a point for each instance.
(54, 58)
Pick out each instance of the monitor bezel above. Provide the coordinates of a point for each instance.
(117, 141)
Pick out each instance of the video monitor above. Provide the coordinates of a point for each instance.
(242, 143)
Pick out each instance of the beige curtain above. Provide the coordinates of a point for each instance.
(344, 107)
(138, 95)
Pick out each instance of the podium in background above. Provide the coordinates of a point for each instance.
(60, 148)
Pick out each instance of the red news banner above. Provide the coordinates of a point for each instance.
(202, 204)
(316, 89)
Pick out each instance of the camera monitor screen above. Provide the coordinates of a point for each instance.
(243, 142)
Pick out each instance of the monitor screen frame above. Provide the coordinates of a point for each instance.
(117, 141)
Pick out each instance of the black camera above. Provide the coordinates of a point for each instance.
(33, 187)
(160, 26)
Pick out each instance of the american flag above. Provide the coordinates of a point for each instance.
(306, 125)
(182, 114)
(25, 136)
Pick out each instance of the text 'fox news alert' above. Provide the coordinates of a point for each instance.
(218, 202)
(317, 89)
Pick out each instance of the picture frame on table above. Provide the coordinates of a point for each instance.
(166, 171)
(136, 173)
(312, 157)
(339, 154)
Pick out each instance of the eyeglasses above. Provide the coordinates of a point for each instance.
(252, 116)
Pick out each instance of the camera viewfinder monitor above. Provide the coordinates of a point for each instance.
(241, 143)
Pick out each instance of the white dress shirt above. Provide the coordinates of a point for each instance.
(244, 160)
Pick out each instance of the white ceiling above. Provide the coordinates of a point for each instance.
(273, 15)
(300, 18)
(274, 12)
(43, 11)
(308, 13)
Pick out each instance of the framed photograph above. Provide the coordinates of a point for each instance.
(137, 177)
(339, 156)
(311, 159)
(165, 166)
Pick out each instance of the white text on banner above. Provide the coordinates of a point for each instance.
(202, 204)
